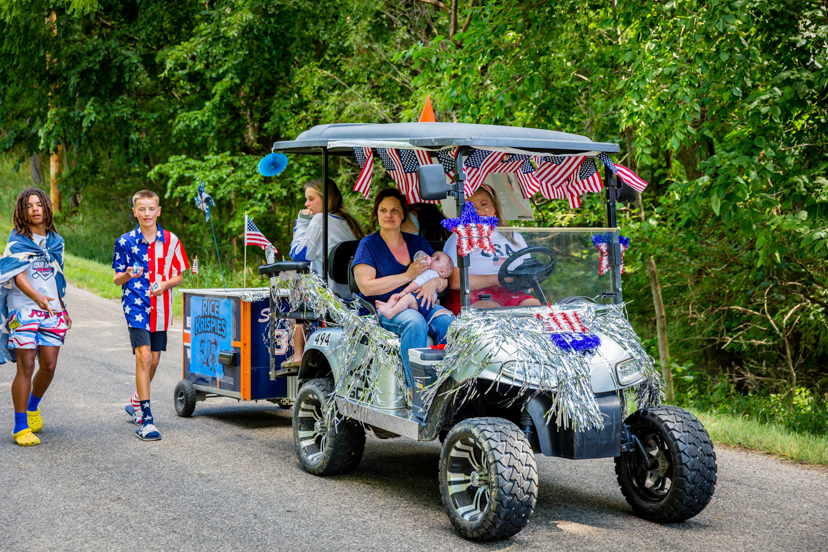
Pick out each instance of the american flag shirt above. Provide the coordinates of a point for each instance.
(161, 260)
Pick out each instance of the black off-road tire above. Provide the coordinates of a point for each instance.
(184, 398)
(682, 483)
(324, 450)
(488, 478)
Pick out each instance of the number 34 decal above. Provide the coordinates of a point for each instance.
(322, 338)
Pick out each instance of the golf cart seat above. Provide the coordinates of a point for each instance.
(339, 263)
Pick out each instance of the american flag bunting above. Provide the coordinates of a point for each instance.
(365, 160)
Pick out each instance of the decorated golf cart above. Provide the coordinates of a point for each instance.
(566, 378)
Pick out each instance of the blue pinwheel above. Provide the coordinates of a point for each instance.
(203, 201)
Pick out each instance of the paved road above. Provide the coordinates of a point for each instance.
(228, 479)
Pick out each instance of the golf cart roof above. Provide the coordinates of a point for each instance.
(344, 136)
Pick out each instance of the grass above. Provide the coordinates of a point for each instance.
(766, 437)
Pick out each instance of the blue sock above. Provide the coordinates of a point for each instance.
(145, 411)
(33, 403)
(21, 422)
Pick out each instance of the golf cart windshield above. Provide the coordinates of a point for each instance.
(548, 264)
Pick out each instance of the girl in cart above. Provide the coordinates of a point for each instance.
(484, 267)
(307, 244)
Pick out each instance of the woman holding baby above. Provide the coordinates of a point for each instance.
(385, 266)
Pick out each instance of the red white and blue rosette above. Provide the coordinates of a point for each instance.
(473, 231)
(602, 241)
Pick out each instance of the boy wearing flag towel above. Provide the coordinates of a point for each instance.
(32, 288)
(148, 262)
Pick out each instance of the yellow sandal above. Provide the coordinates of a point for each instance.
(35, 421)
(25, 438)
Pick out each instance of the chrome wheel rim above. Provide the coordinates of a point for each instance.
(312, 429)
(468, 479)
(651, 485)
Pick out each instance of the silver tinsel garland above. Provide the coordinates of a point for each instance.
(476, 337)
(473, 340)
(364, 344)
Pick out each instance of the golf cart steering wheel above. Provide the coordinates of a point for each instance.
(529, 273)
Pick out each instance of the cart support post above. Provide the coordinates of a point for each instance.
(325, 212)
(615, 246)
(459, 196)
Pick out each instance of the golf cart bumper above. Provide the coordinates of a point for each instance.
(604, 442)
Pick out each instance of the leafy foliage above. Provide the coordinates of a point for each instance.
(720, 105)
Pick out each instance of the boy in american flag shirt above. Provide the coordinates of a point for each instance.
(148, 262)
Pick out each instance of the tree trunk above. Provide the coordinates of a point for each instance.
(55, 170)
(661, 326)
(37, 169)
(56, 160)
(688, 157)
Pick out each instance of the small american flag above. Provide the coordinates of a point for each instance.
(402, 166)
(365, 160)
(448, 158)
(478, 166)
(252, 235)
(632, 180)
(195, 265)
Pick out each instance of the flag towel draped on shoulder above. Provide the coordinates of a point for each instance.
(19, 254)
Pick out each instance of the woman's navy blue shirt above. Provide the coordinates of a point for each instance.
(373, 251)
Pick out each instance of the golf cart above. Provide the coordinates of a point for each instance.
(500, 391)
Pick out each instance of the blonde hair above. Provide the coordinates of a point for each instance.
(146, 194)
(335, 204)
(498, 207)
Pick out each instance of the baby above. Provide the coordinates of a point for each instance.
(439, 266)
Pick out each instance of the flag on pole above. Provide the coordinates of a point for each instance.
(195, 265)
(365, 160)
(252, 235)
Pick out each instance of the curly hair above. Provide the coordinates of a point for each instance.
(21, 211)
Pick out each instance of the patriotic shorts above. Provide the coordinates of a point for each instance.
(30, 329)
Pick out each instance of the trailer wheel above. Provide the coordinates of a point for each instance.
(323, 448)
(681, 481)
(488, 478)
(185, 398)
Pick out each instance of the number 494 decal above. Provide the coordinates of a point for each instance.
(322, 338)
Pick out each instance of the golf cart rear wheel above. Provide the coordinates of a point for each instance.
(324, 447)
(682, 477)
(185, 398)
(488, 478)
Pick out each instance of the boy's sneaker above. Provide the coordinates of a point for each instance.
(148, 433)
(136, 414)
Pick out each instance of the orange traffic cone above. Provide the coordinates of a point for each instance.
(427, 116)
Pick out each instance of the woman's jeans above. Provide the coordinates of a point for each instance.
(414, 327)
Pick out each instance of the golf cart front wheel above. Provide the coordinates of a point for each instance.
(324, 446)
(677, 477)
(185, 398)
(488, 478)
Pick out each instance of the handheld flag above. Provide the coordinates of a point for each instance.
(253, 236)
(195, 265)
(203, 200)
